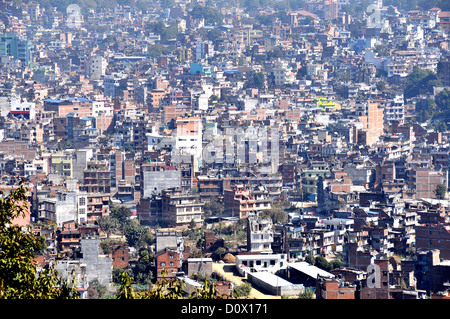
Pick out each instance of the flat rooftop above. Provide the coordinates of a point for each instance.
(310, 270)
(271, 279)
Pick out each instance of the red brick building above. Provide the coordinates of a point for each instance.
(167, 260)
(69, 236)
(334, 289)
(120, 256)
(224, 288)
(211, 242)
(427, 181)
(434, 236)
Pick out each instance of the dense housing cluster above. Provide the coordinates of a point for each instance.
(304, 143)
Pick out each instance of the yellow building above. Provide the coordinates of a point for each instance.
(327, 105)
(62, 164)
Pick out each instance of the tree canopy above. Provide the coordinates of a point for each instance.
(19, 277)
(420, 81)
(211, 15)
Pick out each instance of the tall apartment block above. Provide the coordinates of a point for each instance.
(12, 45)
(259, 234)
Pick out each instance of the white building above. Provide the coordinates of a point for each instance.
(395, 110)
(153, 139)
(188, 137)
(99, 108)
(97, 67)
(259, 235)
(282, 73)
(27, 109)
(271, 263)
(66, 207)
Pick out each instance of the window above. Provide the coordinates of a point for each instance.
(162, 264)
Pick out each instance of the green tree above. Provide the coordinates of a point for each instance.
(165, 32)
(278, 215)
(420, 81)
(96, 289)
(135, 233)
(211, 15)
(19, 278)
(220, 251)
(143, 269)
(243, 290)
(166, 289)
(441, 191)
(125, 291)
(275, 53)
(442, 101)
(108, 224)
(213, 207)
(168, 4)
(310, 259)
(382, 50)
(322, 263)
(307, 294)
(258, 79)
(213, 34)
(336, 263)
(117, 274)
(381, 86)
(122, 214)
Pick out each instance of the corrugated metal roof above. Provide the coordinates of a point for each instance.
(310, 270)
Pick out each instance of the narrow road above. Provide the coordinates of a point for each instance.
(228, 272)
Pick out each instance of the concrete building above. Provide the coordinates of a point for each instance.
(111, 84)
(188, 138)
(203, 50)
(89, 265)
(241, 202)
(97, 265)
(259, 235)
(200, 266)
(395, 111)
(11, 44)
(167, 238)
(273, 284)
(180, 209)
(249, 263)
(154, 182)
(96, 177)
(97, 67)
(62, 208)
(371, 114)
(305, 273)
(331, 288)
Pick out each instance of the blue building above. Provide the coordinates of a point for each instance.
(200, 68)
(12, 45)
